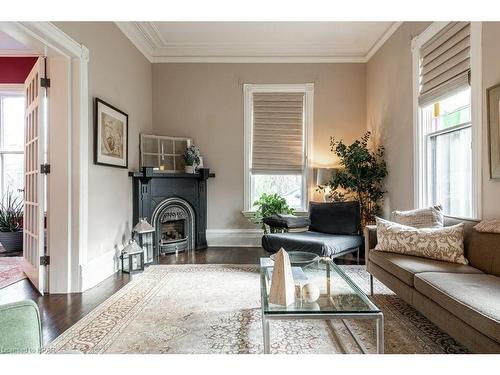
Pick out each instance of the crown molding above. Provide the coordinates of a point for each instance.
(149, 41)
(381, 41)
(138, 37)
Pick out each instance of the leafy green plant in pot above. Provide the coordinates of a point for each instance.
(191, 158)
(11, 223)
(361, 176)
(267, 205)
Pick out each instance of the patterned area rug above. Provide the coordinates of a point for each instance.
(11, 270)
(216, 309)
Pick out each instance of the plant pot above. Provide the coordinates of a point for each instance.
(189, 168)
(12, 241)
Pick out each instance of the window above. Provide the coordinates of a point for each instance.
(278, 124)
(447, 129)
(11, 143)
(447, 154)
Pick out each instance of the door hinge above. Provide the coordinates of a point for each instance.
(44, 260)
(45, 168)
(45, 82)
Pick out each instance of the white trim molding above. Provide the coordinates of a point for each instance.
(234, 237)
(149, 41)
(381, 41)
(476, 84)
(419, 154)
(16, 88)
(248, 91)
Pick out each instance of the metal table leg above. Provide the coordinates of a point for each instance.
(265, 331)
(380, 334)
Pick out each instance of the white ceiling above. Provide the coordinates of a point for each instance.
(258, 41)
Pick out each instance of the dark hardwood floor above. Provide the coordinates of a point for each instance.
(60, 311)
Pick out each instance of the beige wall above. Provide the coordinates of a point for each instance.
(120, 75)
(491, 76)
(205, 101)
(389, 111)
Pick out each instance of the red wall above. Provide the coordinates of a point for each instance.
(15, 69)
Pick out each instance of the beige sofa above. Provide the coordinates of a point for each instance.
(463, 300)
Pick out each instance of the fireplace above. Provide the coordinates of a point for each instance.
(176, 205)
(174, 220)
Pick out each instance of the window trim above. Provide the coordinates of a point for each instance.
(419, 146)
(8, 90)
(248, 90)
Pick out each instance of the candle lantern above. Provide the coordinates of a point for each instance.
(132, 257)
(143, 234)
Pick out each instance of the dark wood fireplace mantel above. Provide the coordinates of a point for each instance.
(144, 176)
(150, 189)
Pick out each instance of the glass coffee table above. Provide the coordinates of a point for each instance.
(340, 298)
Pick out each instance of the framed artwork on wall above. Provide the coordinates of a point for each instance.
(493, 98)
(110, 135)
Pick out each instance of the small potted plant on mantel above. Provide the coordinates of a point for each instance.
(191, 158)
(11, 223)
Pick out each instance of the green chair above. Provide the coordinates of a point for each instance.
(20, 328)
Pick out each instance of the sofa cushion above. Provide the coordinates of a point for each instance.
(404, 267)
(474, 298)
(435, 243)
(335, 218)
(314, 242)
(484, 252)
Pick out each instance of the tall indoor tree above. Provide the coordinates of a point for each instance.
(361, 175)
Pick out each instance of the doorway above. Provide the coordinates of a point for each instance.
(54, 262)
(14, 71)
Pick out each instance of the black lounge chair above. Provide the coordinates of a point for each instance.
(334, 230)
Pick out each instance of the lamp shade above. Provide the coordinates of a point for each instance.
(324, 175)
(143, 226)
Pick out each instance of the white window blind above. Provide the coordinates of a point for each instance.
(445, 63)
(278, 133)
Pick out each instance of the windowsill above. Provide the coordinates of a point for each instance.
(251, 214)
(462, 218)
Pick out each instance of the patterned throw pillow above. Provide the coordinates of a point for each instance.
(445, 243)
(488, 226)
(430, 217)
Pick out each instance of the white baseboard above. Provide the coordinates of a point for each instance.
(234, 237)
(99, 268)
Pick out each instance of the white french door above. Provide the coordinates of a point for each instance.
(34, 179)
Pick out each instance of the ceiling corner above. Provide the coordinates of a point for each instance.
(136, 35)
(381, 41)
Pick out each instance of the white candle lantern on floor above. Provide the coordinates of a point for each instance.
(143, 234)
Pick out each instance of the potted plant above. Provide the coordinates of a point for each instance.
(361, 176)
(191, 158)
(267, 205)
(11, 223)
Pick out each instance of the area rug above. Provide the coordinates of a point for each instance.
(11, 270)
(216, 309)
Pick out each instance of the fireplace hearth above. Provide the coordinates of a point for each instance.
(176, 204)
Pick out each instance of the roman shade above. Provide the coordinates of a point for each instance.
(278, 133)
(445, 63)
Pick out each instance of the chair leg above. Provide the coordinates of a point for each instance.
(357, 256)
(371, 285)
